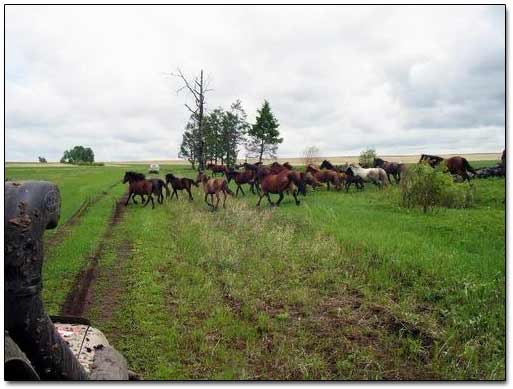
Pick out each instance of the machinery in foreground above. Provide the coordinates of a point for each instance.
(38, 346)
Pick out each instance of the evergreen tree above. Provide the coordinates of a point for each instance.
(263, 136)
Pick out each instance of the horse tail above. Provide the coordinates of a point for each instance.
(163, 184)
(299, 182)
(467, 166)
(227, 189)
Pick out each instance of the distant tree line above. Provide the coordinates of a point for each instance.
(78, 155)
(217, 136)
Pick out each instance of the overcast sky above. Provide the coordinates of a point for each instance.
(401, 79)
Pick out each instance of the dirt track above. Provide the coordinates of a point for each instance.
(79, 298)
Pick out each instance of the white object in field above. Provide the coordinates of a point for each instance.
(154, 168)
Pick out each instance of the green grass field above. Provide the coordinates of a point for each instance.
(345, 286)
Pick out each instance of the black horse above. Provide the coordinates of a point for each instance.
(350, 178)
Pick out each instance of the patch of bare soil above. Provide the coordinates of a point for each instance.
(110, 299)
(81, 296)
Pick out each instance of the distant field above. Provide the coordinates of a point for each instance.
(297, 160)
(345, 286)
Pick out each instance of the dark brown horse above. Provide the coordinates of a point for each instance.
(393, 169)
(158, 185)
(277, 168)
(139, 185)
(456, 165)
(279, 183)
(326, 176)
(240, 178)
(213, 186)
(178, 183)
(217, 169)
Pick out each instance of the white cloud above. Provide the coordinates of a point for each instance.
(399, 78)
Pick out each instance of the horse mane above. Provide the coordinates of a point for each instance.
(326, 164)
(136, 176)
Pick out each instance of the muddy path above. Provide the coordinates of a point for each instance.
(80, 296)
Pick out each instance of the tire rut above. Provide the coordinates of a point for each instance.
(65, 229)
(80, 296)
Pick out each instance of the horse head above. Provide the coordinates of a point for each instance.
(349, 171)
(378, 162)
(202, 177)
(326, 164)
(133, 176)
(230, 174)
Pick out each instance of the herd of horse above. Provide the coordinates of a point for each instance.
(276, 178)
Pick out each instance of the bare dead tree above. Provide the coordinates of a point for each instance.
(197, 88)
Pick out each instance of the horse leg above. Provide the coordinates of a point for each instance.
(206, 200)
(217, 202)
(242, 191)
(190, 195)
(294, 193)
(269, 199)
(252, 186)
(152, 202)
(281, 198)
(237, 191)
(175, 193)
(224, 198)
(128, 198)
(148, 200)
(260, 199)
(328, 184)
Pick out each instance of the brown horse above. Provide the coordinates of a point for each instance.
(178, 183)
(326, 176)
(240, 178)
(279, 183)
(277, 168)
(310, 179)
(139, 185)
(217, 169)
(212, 186)
(456, 165)
(391, 168)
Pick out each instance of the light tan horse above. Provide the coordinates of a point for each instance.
(212, 186)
